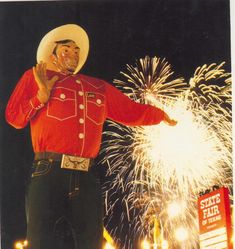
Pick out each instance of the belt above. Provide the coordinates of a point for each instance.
(67, 162)
(48, 155)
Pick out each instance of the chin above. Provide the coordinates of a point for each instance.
(71, 70)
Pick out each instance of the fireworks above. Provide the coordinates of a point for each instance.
(156, 167)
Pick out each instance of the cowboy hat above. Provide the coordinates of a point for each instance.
(65, 32)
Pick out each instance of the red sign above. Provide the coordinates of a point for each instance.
(215, 220)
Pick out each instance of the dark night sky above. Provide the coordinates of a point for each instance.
(188, 33)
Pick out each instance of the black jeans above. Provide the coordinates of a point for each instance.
(64, 208)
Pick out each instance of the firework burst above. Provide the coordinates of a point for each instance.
(156, 167)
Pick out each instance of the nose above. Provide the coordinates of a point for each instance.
(74, 54)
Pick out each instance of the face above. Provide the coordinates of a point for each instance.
(66, 57)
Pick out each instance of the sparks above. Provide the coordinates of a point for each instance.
(171, 164)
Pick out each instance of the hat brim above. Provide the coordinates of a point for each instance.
(70, 32)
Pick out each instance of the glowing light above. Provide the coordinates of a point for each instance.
(165, 244)
(18, 245)
(174, 209)
(108, 246)
(25, 243)
(181, 234)
(145, 244)
(191, 148)
(107, 236)
(21, 244)
(155, 246)
(171, 163)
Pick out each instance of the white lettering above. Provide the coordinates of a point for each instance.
(213, 219)
(211, 211)
(210, 201)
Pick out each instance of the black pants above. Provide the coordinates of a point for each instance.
(64, 208)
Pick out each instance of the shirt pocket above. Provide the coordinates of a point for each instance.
(95, 110)
(62, 104)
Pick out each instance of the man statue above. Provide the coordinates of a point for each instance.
(66, 111)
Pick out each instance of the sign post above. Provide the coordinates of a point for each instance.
(215, 220)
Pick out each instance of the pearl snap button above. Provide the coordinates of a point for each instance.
(81, 120)
(78, 81)
(62, 96)
(80, 93)
(98, 101)
(81, 135)
(81, 106)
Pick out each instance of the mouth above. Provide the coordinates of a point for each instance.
(71, 70)
(71, 64)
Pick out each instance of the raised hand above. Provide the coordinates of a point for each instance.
(169, 121)
(44, 84)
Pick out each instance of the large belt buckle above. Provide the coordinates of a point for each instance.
(75, 163)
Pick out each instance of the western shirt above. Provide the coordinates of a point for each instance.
(71, 122)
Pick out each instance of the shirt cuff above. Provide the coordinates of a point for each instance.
(35, 103)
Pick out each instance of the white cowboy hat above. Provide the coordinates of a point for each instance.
(70, 32)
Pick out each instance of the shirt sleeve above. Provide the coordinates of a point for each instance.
(23, 103)
(123, 110)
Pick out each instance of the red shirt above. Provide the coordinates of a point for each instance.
(71, 121)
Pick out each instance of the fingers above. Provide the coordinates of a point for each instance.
(37, 77)
(52, 81)
(169, 121)
(39, 72)
(41, 69)
(172, 122)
